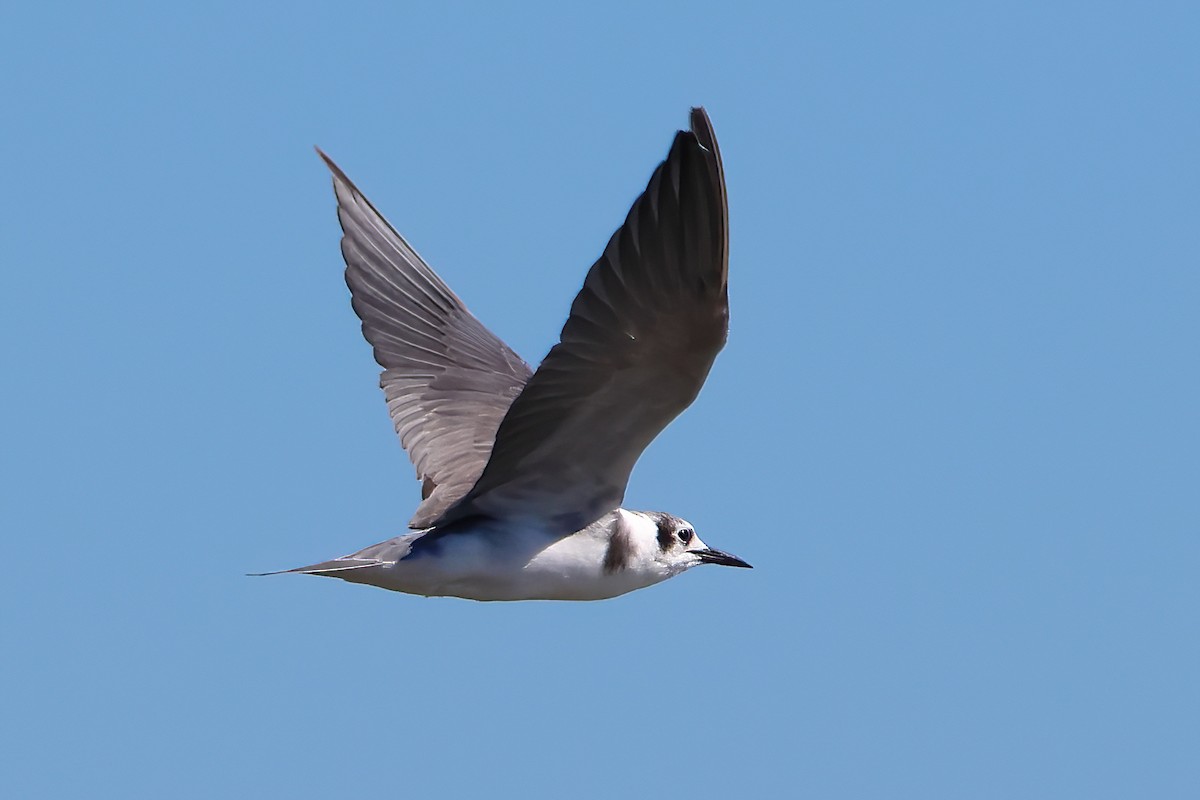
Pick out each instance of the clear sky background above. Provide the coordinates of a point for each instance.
(955, 428)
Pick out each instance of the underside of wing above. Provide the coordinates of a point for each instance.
(640, 340)
(448, 380)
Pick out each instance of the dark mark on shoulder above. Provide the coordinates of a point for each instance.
(620, 548)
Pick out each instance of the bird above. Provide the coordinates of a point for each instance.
(523, 472)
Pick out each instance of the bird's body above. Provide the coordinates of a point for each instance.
(523, 472)
(493, 560)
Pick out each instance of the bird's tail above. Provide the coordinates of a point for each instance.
(383, 554)
(327, 567)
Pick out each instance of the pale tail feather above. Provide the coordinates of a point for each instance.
(336, 565)
(377, 555)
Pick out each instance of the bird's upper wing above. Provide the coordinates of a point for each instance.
(641, 337)
(448, 379)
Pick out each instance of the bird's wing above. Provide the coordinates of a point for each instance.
(448, 379)
(641, 337)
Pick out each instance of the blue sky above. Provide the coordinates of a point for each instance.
(955, 428)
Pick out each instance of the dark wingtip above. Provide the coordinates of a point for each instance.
(328, 161)
(334, 168)
(702, 127)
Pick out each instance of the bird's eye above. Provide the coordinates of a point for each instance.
(685, 535)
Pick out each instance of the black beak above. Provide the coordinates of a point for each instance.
(710, 556)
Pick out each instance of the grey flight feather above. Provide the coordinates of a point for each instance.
(448, 380)
(640, 340)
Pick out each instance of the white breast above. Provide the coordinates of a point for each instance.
(528, 564)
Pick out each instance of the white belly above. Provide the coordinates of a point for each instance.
(527, 566)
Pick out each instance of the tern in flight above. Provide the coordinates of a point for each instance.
(523, 471)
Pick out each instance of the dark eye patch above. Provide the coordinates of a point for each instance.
(666, 539)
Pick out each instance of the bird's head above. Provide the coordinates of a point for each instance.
(680, 548)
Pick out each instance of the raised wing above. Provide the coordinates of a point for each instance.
(448, 380)
(641, 337)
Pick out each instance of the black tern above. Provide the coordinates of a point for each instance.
(523, 472)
